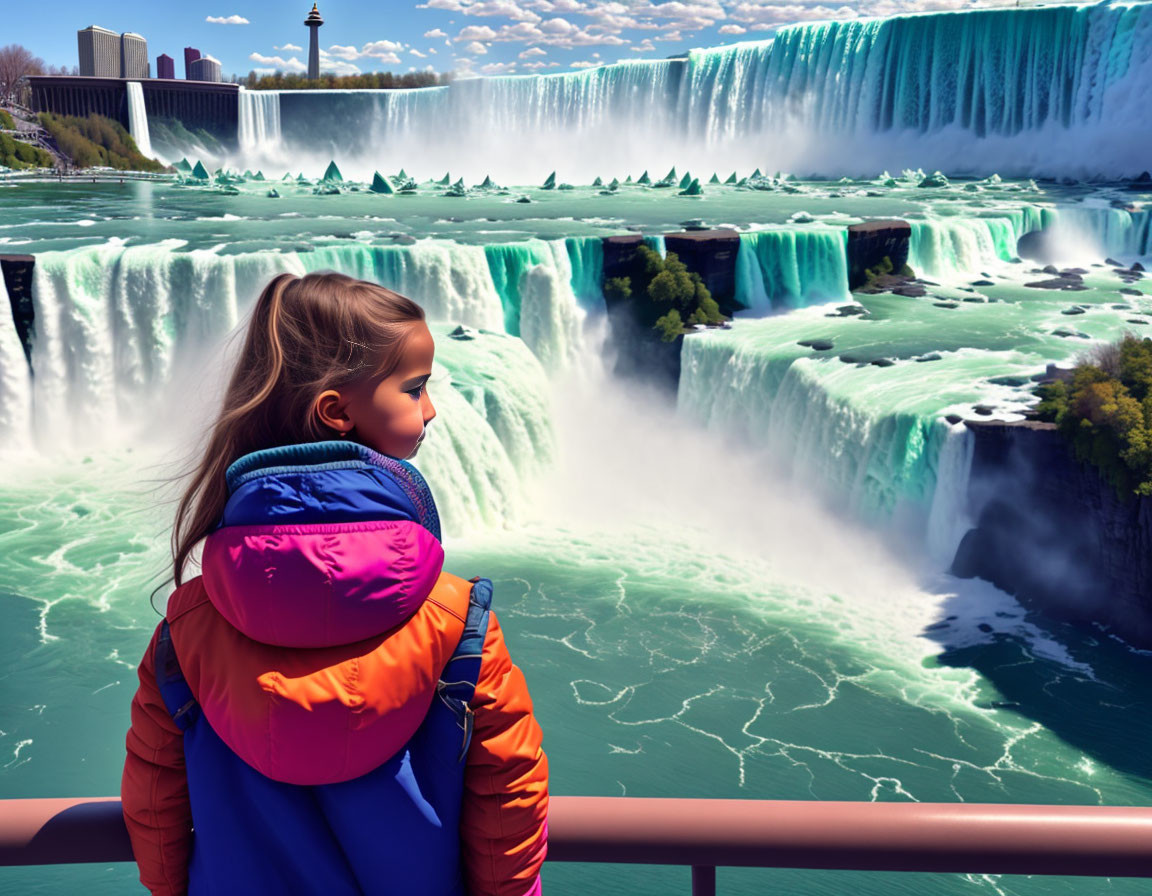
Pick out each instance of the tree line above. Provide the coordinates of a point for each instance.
(328, 81)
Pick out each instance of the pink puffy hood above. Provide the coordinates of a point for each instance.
(316, 635)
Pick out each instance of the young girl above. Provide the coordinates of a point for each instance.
(325, 710)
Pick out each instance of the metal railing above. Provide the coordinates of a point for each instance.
(1112, 841)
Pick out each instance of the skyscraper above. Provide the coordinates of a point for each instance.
(165, 66)
(204, 69)
(314, 22)
(191, 54)
(99, 52)
(133, 56)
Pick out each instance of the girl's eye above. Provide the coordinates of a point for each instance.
(415, 393)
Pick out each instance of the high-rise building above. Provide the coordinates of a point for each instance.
(133, 56)
(99, 52)
(205, 69)
(191, 54)
(314, 22)
(165, 66)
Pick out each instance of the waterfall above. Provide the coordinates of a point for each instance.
(116, 325)
(1057, 90)
(1117, 232)
(258, 130)
(791, 267)
(827, 424)
(15, 381)
(586, 258)
(958, 246)
(138, 119)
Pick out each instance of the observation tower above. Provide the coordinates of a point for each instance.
(314, 22)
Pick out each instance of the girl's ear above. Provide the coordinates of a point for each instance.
(331, 409)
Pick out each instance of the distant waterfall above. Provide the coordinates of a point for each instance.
(1058, 89)
(259, 120)
(138, 119)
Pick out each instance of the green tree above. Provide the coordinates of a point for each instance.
(670, 326)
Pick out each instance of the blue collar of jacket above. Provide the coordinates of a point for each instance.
(326, 482)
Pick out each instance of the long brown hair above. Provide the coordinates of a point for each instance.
(306, 335)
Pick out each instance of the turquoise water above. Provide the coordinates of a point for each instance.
(733, 592)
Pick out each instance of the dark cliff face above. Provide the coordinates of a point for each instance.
(638, 351)
(17, 273)
(1052, 532)
(873, 241)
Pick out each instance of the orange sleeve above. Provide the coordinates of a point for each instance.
(154, 789)
(504, 821)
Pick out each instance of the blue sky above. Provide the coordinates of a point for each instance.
(481, 37)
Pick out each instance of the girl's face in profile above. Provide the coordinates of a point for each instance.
(389, 413)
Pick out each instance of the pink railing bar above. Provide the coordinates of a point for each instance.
(1113, 841)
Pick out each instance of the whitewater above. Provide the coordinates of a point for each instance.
(735, 586)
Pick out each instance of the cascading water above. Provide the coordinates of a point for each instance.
(258, 131)
(791, 267)
(15, 382)
(138, 118)
(118, 327)
(1019, 91)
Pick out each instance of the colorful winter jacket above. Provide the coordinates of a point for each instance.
(320, 759)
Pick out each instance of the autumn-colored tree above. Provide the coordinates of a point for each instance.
(1106, 411)
(16, 64)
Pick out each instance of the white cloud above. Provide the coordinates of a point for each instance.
(559, 5)
(476, 48)
(498, 68)
(340, 52)
(533, 51)
(279, 63)
(435, 32)
(534, 66)
(645, 46)
(376, 47)
(476, 32)
(512, 9)
(417, 54)
(763, 18)
(670, 35)
(227, 20)
(380, 51)
(290, 48)
(585, 64)
(732, 29)
(333, 65)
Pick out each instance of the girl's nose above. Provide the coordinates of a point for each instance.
(427, 408)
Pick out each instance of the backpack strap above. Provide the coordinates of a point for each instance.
(178, 699)
(457, 684)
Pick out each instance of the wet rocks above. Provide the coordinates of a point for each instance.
(817, 345)
(848, 311)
